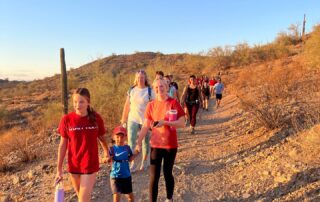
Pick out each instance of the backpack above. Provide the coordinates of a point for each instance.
(149, 92)
(174, 84)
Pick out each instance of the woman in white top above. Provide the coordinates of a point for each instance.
(133, 114)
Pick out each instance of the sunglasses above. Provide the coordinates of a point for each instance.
(141, 71)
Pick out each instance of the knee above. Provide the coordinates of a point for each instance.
(84, 195)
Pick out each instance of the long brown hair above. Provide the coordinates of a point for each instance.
(85, 93)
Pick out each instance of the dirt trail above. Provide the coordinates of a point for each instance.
(201, 159)
(229, 158)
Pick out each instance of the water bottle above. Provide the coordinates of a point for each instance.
(59, 195)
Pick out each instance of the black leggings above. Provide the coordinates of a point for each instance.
(156, 156)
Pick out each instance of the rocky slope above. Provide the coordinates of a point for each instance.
(228, 159)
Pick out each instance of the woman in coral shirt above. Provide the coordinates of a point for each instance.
(163, 141)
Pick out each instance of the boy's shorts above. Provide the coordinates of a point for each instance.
(121, 185)
(218, 96)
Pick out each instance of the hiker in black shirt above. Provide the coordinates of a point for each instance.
(192, 98)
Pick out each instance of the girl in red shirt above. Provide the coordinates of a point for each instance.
(79, 132)
(163, 141)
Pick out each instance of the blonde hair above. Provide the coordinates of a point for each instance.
(145, 78)
(162, 81)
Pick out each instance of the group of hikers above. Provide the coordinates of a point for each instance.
(150, 118)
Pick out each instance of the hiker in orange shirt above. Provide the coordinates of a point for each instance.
(163, 115)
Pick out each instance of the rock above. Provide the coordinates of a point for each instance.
(266, 172)
(246, 195)
(249, 132)
(4, 197)
(30, 174)
(15, 179)
(30, 184)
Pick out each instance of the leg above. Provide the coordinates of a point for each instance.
(189, 110)
(206, 103)
(75, 180)
(168, 162)
(194, 111)
(155, 168)
(145, 151)
(116, 197)
(133, 129)
(86, 187)
(130, 197)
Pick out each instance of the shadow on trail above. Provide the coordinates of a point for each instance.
(221, 163)
(298, 181)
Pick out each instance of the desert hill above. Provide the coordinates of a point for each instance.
(260, 145)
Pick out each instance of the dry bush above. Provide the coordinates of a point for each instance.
(15, 147)
(3, 116)
(280, 97)
(51, 115)
(312, 49)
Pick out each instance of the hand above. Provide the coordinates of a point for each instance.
(58, 178)
(160, 124)
(138, 148)
(107, 159)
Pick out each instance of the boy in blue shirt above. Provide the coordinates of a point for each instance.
(120, 176)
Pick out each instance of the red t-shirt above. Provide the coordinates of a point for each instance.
(212, 82)
(165, 136)
(82, 141)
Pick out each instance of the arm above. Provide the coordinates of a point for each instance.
(143, 132)
(183, 96)
(125, 112)
(134, 155)
(104, 144)
(180, 123)
(62, 149)
(200, 96)
(177, 95)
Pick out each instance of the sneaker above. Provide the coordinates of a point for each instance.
(192, 130)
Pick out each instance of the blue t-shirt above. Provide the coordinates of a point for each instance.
(219, 88)
(120, 164)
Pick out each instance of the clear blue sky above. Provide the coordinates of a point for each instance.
(33, 31)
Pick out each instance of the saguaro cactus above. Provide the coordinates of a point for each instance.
(64, 86)
(304, 26)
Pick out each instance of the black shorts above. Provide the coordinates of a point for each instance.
(121, 185)
(76, 173)
(218, 96)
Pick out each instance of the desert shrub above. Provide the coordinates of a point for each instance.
(3, 116)
(221, 55)
(14, 149)
(312, 49)
(241, 54)
(280, 97)
(51, 115)
(108, 94)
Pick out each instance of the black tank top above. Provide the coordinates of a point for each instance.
(193, 94)
(206, 91)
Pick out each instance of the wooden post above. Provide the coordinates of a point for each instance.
(64, 86)
(303, 27)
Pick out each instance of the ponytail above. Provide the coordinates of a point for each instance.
(91, 114)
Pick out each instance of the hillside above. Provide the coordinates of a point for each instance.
(260, 145)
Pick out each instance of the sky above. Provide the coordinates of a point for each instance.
(33, 31)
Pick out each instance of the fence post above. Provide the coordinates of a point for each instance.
(64, 86)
